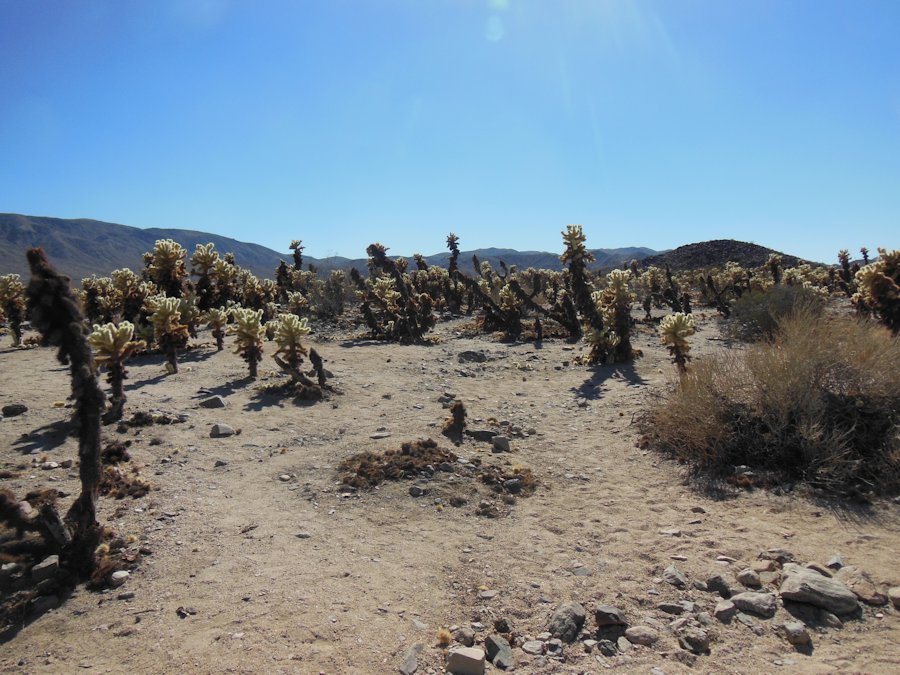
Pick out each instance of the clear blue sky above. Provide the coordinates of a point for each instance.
(343, 122)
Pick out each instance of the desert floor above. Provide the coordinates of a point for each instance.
(276, 567)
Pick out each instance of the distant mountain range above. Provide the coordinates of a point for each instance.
(80, 248)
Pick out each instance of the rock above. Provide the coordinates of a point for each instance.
(623, 644)
(533, 647)
(498, 651)
(488, 595)
(607, 615)
(567, 621)
(46, 569)
(589, 645)
(465, 636)
(118, 578)
(779, 555)
(220, 462)
(416, 491)
(796, 633)
(762, 604)
(484, 435)
(220, 430)
(674, 576)
(554, 646)
(641, 635)
(411, 661)
(607, 647)
(470, 356)
(670, 608)
(44, 603)
(502, 625)
(694, 640)
(717, 584)
(725, 611)
(501, 443)
(894, 596)
(213, 402)
(749, 578)
(380, 434)
(861, 584)
(14, 409)
(760, 566)
(419, 625)
(836, 562)
(466, 661)
(803, 585)
(824, 570)
(671, 532)
(514, 486)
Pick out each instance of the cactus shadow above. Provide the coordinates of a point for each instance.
(44, 438)
(589, 389)
(43, 605)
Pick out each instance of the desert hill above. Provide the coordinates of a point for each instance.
(717, 252)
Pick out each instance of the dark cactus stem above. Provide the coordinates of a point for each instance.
(318, 366)
(14, 314)
(219, 334)
(253, 357)
(56, 315)
(170, 349)
(538, 330)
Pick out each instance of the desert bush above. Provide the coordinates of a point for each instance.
(755, 316)
(819, 403)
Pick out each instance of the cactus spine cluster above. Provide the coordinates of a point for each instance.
(674, 331)
(12, 304)
(113, 345)
(249, 333)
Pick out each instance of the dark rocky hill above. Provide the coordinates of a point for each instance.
(717, 252)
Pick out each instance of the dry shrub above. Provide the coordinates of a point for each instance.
(755, 316)
(820, 403)
(368, 469)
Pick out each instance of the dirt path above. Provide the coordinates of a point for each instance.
(371, 574)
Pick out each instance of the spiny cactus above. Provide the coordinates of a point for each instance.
(879, 288)
(250, 334)
(674, 331)
(288, 332)
(12, 304)
(203, 260)
(165, 266)
(614, 306)
(297, 247)
(217, 318)
(113, 345)
(169, 333)
(455, 423)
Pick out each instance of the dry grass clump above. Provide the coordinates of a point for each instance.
(819, 403)
(368, 469)
(755, 316)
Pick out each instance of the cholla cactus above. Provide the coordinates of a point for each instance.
(674, 331)
(113, 345)
(250, 334)
(202, 262)
(297, 247)
(614, 305)
(217, 319)
(289, 330)
(169, 333)
(12, 304)
(297, 303)
(165, 265)
(879, 288)
(190, 312)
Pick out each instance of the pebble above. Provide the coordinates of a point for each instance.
(416, 491)
(46, 569)
(641, 635)
(220, 462)
(894, 596)
(533, 647)
(717, 584)
(500, 443)
(220, 430)
(694, 640)
(380, 434)
(411, 661)
(213, 402)
(466, 661)
(465, 636)
(796, 633)
(285, 477)
(763, 604)
(567, 621)
(674, 576)
(836, 562)
(14, 409)
(725, 611)
(607, 615)
(498, 651)
(118, 577)
(671, 532)
(749, 578)
(488, 595)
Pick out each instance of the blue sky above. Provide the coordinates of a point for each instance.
(343, 122)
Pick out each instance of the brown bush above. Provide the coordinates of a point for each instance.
(819, 403)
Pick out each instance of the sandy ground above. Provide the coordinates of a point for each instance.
(374, 573)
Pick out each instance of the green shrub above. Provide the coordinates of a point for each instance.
(755, 316)
(819, 403)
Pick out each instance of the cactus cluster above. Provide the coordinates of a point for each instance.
(878, 287)
(169, 333)
(249, 335)
(674, 330)
(12, 305)
(166, 268)
(113, 345)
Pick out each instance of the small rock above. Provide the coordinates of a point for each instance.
(836, 562)
(411, 661)
(641, 635)
(824, 570)
(533, 647)
(671, 532)
(213, 402)
(717, 584)
(589, 645)
(471, 357)
(416, 491)
(466, 661)
(803, 585)
(46, 569)
(607, 615)
(285, 477)
(465, 636)
(419, 625)
(567, 621)
(44, 603)
(47, 466)
(498, 651)
(118, 578)
(500, 443)
(725, 611)
(763, 604)
(14, 409)
(607, 647)
(674, 576)
(670, 608)
(623, 644)
(484, 435)
(220, 430)
(303, 535)
(488, 595)
(796, 633)
(862, 585)
(220, 462)
(694, 640)
(514, 486)
(749, 578)
(380, 434)
(894, 596)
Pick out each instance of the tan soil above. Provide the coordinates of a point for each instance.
(376, 566)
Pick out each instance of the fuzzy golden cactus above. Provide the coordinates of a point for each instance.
(878, 286)
(674, 331)
(203, 258)
(217, 318)
(169, 333)
(166, 266)
(288, 332)
(112, 346)
(249, 333)
(12, 304)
